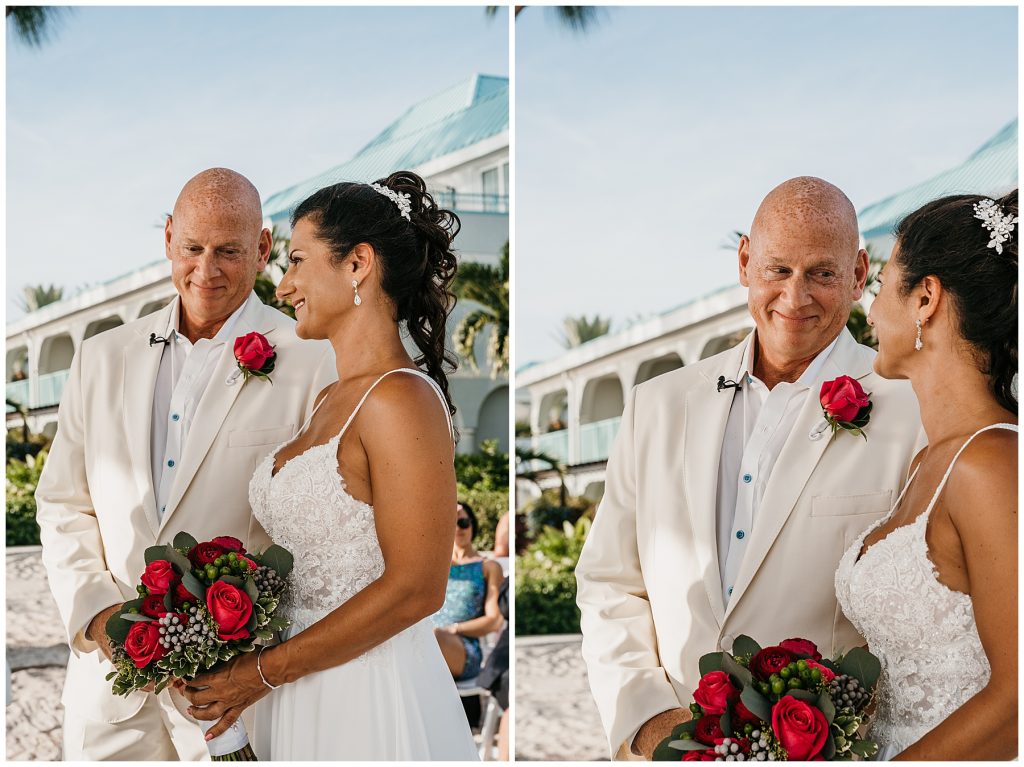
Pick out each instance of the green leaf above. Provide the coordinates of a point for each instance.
(863, 666)
(865, 749)
(686, 745)
(111, 675)
(829, 749)
(184, 541)
(744, 645)
(117, 628)
(756, 703)
(137, 618)
(156, 553)
(665, 753)
(731, 667)
(710, 662)
(827, 707)
(264, 634)
(805, 695)
(194, 586)
(725, 722)
(278, 559)
(234, 580)
(178, 560)
(251, 590)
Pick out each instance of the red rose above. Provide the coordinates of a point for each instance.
(800, 727)
(205, 553)
(709, 730)
(182, 595)
(714, 692)
(153, 606)
(801, 648)
(143, 643)
(843, 398)
(826, 673)
(252, 351)
(742, 715)
(228, 543)
(770, 660)
(699, 756)
(159, 577)
(231, 608)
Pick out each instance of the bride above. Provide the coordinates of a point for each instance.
(933, 586)
(363, 497)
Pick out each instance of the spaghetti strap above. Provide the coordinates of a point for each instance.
(421, 374)
(949, 469)
(309, 418)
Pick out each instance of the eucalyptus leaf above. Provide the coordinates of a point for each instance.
(194, 586)
(756, 703)
(827, 707)
(805, 695)
(689, 726)
(278, 559)
(664, 753)
(251, 590)
(156, 553)
(179, 560)
(117, 629)
(744, 645)
(184, 541)
(863, 666)
(731, 667)
(687, 745)
(829, 749)
(137, 618)
(234, 580)
(725, 722)
(710, 662)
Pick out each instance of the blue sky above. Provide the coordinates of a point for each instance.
(107, 121)
(642, 144)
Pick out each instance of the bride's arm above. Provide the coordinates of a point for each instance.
(982, 498)
(411, 465)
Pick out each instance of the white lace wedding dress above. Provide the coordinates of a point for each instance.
(923, 632)
(397, 701)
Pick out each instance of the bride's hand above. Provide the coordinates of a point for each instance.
(225, 693)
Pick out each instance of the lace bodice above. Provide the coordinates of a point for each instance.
(306, 508)
(923, 632)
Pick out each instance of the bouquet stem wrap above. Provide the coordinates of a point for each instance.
(233, 740)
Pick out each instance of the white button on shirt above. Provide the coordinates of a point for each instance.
(760, 422)
(186, 370)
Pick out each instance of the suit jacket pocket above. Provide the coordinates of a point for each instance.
(256, 437)
(850, 505)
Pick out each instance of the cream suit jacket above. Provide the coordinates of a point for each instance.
(650, 592)
(96, 503)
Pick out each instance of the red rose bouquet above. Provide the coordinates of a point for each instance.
(777, 703)
(199, 604)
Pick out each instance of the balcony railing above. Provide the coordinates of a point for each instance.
(596, 439)
(555, 444)
(472, 202)
(17, 391)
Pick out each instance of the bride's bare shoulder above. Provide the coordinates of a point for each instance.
(982, 488)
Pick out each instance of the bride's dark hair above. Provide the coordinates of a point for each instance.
(945, 239)
(417, 264)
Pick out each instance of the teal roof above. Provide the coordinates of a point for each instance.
(463, 115)
(991, 170)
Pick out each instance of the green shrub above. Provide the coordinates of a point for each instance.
(488, 505)
(487, 469)
(22, 478)
(546, 581)
(547, 512)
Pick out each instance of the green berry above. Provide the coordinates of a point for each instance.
(801, 664)
(748, 728)
(795, 683)
(786, 673)
(232, 556)
(816, 675)
(686, 736)
(764, 687)
(225, 571)
(694, 708)
(133, 610)
(778, 687)
(806, 675)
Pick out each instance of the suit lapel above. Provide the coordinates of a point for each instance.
(707, 413)
(793, 468)
(140, 367)
(214, 406)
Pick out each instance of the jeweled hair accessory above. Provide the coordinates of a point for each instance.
(401, 199)
(998, 223)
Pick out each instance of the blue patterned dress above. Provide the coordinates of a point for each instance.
(464, 601)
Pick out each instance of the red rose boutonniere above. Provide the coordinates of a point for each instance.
(255, 355)
(845, 405)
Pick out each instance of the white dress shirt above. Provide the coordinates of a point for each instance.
(760, 422)
(185, 373)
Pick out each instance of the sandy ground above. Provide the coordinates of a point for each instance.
(556, 718)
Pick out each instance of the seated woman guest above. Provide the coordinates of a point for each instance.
(470, 608)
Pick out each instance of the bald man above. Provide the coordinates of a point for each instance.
(156, 434)
(727, 508)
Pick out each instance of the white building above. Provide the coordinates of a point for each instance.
(457, 140)
(574, 403)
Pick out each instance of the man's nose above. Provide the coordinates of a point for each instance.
(796, 293)
(207, 266)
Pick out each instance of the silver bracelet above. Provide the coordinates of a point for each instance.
(259, 656)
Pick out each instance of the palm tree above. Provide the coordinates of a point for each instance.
(577, 17)
(524, 461)
(858, 322)
(38, 296)
(576, 331)
(22, 411)
(277, 265)
(486, 286)
(35, 24)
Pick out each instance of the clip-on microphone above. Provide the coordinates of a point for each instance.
(155, 339)
(723, 384)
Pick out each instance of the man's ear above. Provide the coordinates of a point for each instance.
(744, 258)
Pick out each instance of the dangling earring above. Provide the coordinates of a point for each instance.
(918, 343)
(358, 300)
